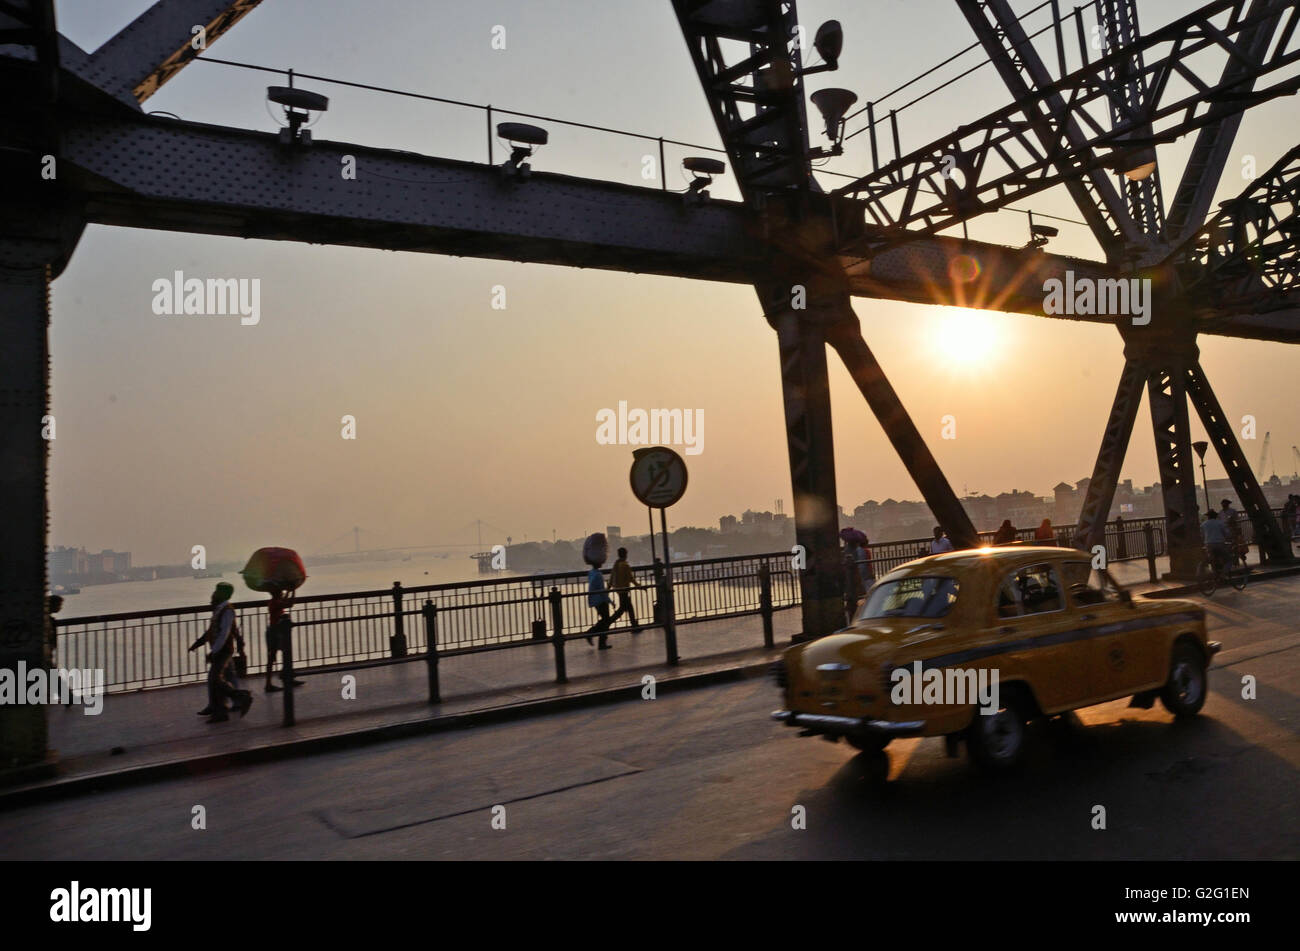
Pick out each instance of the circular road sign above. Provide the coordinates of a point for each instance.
(658, 476)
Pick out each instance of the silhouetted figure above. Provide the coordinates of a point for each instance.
(1215, 534)
(1121, 537)
(623, 581)
(53, 605)
(853, 589)
(1045, 533)
(594, 551)
(277, 629)
(942, 543)
(1005, 534)
(222, 636)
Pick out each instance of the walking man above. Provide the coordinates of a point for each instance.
(623, 581)
(276, 630)
(221, 637)
(594, 551)
(942, 543)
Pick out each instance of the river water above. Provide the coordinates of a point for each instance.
(321, 579)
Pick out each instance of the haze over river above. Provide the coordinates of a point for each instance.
(126, 596)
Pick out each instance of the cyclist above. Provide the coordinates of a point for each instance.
(1215, 534)
(1232, 521)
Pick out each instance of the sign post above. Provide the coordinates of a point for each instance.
(658, 480)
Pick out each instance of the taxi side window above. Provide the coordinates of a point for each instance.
(1032, 590)
(1088, 585)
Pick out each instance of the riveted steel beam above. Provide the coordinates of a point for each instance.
(1110, 457)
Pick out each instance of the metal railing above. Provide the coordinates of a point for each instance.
(146, 649)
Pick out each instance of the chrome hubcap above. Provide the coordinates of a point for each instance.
(1187, 682)
(1002, 734)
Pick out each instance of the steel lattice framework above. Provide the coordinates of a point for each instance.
(807, 252)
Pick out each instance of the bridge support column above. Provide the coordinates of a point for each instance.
(1110, 457)
(806, 391)
(1167, 396)
(24, 364)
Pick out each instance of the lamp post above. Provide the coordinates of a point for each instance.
(1200, 448)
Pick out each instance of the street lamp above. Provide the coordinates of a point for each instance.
(1200, 448)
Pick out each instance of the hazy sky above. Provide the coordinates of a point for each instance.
(181, 431)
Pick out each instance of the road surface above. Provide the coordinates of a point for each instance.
(705, 774)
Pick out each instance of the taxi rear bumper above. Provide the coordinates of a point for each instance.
(848, 726)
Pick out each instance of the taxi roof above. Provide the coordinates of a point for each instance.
(997, 557)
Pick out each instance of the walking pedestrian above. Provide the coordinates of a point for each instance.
(623, 581)
(866, 567)
(53, 605)
(1045, 533)
(942, 543)
(1006, 533)
(222, 636)
(594, 551)
(853, 586)
(277, 629)
(1121, 538)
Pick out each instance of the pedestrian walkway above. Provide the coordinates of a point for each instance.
(148, 729)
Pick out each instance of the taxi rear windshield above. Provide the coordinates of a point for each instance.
(922, 596)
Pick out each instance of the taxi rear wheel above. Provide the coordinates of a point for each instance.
(997, 741)
(1184, 692)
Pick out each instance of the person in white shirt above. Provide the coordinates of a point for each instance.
(1215, 534)
(222, 636)
(941, 543)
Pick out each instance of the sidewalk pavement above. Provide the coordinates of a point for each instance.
(152, 734)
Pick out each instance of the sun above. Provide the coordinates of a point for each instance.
(966, 339)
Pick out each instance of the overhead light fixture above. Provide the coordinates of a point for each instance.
(703, 169)
(298, 105)
(833, 103)
(828, 42)
(1139, 172)
(1139, 164)
(523, 139)
(1200, 448)
(1039, 234)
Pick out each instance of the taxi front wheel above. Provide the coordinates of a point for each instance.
(1184, 693)
(997, 741)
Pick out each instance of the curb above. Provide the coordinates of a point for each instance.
(1263, 574)
(44, 792)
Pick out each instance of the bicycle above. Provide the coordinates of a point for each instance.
(1209, 576)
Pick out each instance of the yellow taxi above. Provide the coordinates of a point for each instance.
(970, 645)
